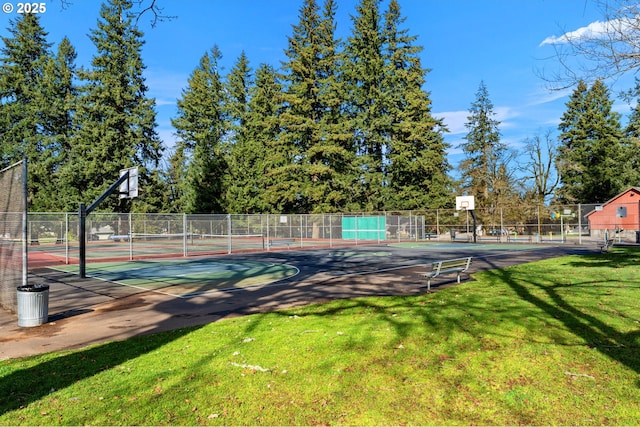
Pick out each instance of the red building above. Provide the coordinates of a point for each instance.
(620, 213)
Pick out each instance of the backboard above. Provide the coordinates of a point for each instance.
(465, 203)
(129, 188)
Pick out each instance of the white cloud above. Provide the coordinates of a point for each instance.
(546, 96)
(592, 31)
(454, 120)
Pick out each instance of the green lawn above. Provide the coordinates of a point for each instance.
(548, 343)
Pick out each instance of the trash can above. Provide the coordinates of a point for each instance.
(452, 233)
(637, 236)
(33, 305)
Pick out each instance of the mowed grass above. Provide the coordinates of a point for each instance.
(555, 342)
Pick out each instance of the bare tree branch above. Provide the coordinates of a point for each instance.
(541, 175)
(154, 9)
(145, 7)
(603, 50)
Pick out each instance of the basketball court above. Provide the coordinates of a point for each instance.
(118, 300)
(98, 299)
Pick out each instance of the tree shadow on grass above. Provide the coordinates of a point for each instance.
(596, 333)
(24, 386)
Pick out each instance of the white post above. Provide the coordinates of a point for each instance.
(130, 238)
(579, 223)
(185, 251)
(66, 238)
(268, 248)
(229, 233)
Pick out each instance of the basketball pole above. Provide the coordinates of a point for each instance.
(83, 212)
(475, 229)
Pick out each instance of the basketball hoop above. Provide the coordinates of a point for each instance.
(465, 203)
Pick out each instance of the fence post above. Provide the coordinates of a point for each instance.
(25, 220)
(579, 223)
(66, 238)
(185, 251)
(539, 226)
(330, 230)
(82, 243)
(229, 233)
(130, 238)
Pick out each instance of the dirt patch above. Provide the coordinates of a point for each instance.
(124, 304)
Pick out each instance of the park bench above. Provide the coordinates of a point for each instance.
(118, 237)
(451, 266)
(606, 245)
(430, 236)
(282, 242)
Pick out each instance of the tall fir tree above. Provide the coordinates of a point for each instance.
(59, 97)
(367, 102)
(115, 120)
(590, 152)
(312, 117)
(417, 170)
(302, 110)
(483, 167)
(631, 144)
(175, 175)
(240, 177)
(22, 105)
(264, 154)
(202, 126)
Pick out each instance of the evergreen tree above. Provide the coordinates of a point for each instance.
(241, 176)
(417, 171)
(367, 102)
(631, 145)
(59, 98)
(264, 155)
(303, 111)
(115, 121)
(24, 56)
(484, 168)
(202, 126)
(175, 177)
(591, 147)
(311, 122)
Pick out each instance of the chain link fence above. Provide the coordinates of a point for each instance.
(13, 249)
(130, 236)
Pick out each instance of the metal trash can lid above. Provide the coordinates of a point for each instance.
(38, 287)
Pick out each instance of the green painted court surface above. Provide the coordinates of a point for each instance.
(185, 278)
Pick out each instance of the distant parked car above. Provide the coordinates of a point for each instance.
(498, 232)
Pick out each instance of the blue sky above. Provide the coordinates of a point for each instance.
(501, 42)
